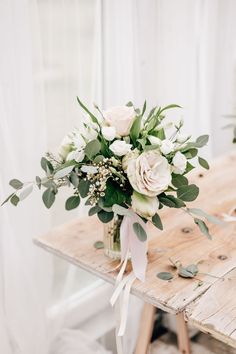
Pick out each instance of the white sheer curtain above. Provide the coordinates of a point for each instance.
(174, 52)
(110, 52)
(37, 106)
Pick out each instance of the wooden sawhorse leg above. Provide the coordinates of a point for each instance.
(146, 328)
(182, 334)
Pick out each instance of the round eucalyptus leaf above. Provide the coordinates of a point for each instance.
(165, 275)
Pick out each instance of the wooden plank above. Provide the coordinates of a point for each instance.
(181, 240)
(215, 311)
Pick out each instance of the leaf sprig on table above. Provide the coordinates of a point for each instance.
(123, 159)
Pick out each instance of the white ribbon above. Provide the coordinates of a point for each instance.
(130, 244)
(228, 217)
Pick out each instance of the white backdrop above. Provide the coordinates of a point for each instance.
(106, 51)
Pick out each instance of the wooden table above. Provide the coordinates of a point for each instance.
(212, 306)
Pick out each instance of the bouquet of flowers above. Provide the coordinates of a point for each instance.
(126, 163)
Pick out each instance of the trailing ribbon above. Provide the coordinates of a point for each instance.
(229, 217)
(137, 250)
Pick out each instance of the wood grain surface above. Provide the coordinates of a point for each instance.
(180, 241)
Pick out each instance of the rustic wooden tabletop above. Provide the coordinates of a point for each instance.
(211, 306)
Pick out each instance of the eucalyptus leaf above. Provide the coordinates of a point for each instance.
(94, 210)
(74, 179)
(203, 163)
(157, 221)
(98, 158)
(171, 201)
(188, 193)
(72, 202)
(84, 187)
(46, 165)
(191, 153)
(98, 245)
(14, 199)
(15, 183)
(202, 140)
(165, 275)
(63, 172)
(203, 227)
(105, 216)
(48, 197)
(202, 213)
(38, 181)
(92, 148)
(26, 192)
(184, 273)
(179, 180)
(140, 232)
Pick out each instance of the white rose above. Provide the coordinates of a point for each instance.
(120, 117)
(129, 156)
(179, 162)
(167, 146)
(154, 140)
(77, 155)
(144, 206)
(120, 147)
(109, 133)
(149, 173)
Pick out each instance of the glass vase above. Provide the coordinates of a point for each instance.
(111, 237)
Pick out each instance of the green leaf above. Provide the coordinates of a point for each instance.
(157, 221)
(135, 129)
(98, 159)
(92, 148)
(192, 268)
(165, 276)
(7, 199)
(15, 183)
(144, 108)
(72, 202)
(140, 232)
(98, 245)
(202, 213)
(118, 209)
(189, 168)
(92, 116)
(48, 197)
(63, 172)
(113, 194)
(171, 201)
(46, 165)
(38, 181)
(179, 180)
(203, 227)
(202, 141)
(191, 153)
(15, 200)
(170, 106)
(74, 179)
(84, 187)
(94, 210)
(203, 163)
(129, 104)
(105, 216)
(26, 192)
(188, 193)
(185, 273)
